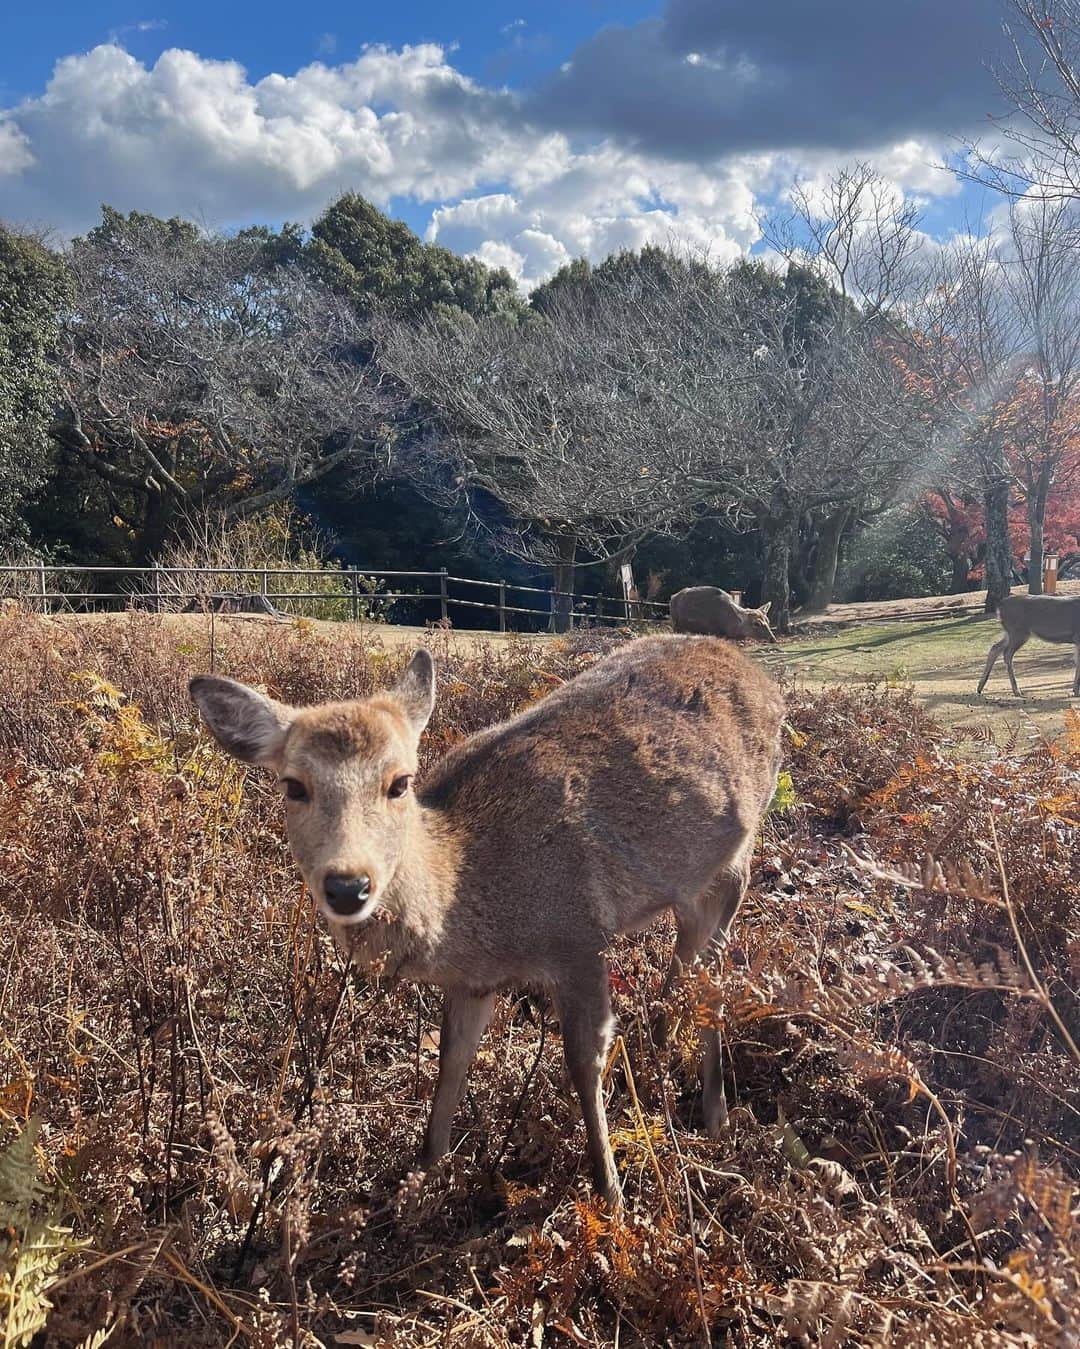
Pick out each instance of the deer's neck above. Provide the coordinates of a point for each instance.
(424, 887)
(405, 936)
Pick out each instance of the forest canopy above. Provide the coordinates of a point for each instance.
(746, 425)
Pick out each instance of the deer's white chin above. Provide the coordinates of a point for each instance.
(362, 915)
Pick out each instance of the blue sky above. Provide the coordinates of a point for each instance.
(510, 43)
(525, 133)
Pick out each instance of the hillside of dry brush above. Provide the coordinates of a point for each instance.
(227, 1119)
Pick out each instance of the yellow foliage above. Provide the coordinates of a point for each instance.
(635, 1139)
(125, 741)
(33, 1243)
(784, 798)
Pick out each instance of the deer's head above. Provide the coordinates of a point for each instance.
(345, 771)
(756, 624)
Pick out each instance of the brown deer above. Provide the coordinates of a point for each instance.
(710, 610)
(636, 787)
(1054, 618)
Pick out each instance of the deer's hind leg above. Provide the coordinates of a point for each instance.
(584, 1008)
(1012, 646)
(709, 918)
(991, 658)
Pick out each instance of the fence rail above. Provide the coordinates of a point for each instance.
(351, 592)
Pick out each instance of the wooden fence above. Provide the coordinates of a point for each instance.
(349, 593)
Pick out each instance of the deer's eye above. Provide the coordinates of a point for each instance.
(399, 786)
(294, 789)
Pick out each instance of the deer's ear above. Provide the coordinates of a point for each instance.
(415, 690)
(243, 721)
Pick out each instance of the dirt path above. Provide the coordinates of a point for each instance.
(927, 607)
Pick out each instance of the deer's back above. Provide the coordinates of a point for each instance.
(1054, 618)
(705, 609)
(621, 793)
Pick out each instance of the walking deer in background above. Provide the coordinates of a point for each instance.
(1054, 618)
(636, 787)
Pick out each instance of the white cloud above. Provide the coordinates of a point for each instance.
(196, 136)
(15, 152)
(913, 168)
(192, 136)
(142, 26)
(590, 203)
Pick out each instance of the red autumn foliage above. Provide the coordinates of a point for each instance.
(1038, 444)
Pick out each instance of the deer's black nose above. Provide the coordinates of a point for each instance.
(346, 895)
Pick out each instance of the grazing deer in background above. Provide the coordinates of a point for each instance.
(1054, 618)
(636, 787)
(710, 610)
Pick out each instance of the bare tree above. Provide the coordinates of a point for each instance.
(854, 232)
(784, 393)
(197, 372)
(964, 340)
(661, 388)
(545, 416)
(1037, 144)
(997, 323)
(857, 236)
(1044, 286)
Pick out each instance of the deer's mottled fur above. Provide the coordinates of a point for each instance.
(1054, 618)
(712, 611)
(636, 787)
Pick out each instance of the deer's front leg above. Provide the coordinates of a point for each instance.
(465, 1016)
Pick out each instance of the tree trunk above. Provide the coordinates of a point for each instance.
(562, 595)
(828, 553)
(1036, 512)
(1035, 548)
(777, 592)
(998, 548)
(961, 568)
(155, 528)
(804, 549)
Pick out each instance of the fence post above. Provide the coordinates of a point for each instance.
(264, 581)
(44, 588)
(444, 615)
(355, 581)
(502, 606)
(599, 609)
(157, 587)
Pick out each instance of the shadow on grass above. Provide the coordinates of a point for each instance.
(873, 639)
(1004, 702)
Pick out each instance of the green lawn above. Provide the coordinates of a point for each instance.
(943, 660)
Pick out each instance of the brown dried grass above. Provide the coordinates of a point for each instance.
(231, 1121)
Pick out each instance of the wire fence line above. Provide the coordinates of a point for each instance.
(351, 593)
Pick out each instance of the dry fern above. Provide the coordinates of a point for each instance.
(34, 1244)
